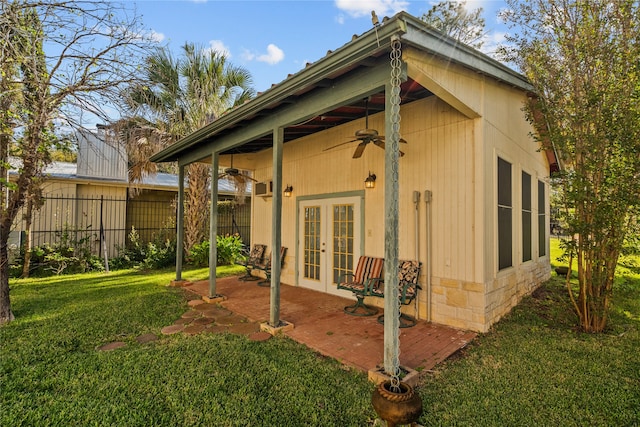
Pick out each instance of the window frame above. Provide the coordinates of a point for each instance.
(504, 205)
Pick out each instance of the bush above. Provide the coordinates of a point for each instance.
(71, 254)
(230, 250)
(199, 255)
(160, 253)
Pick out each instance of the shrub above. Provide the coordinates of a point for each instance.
(199, 254)
(71, 254)
(160, 254)
(230, 249)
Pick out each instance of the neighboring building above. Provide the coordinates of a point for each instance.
(95, 192)
(473, 190)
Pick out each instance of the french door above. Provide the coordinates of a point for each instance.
(330, 240)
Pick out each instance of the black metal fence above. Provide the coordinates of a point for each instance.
(105, 223)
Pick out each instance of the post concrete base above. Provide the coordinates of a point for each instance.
(273, 330)
(214, 299)
(378, 375)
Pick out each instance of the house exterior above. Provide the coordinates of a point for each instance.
(469, 198)
(95, 191)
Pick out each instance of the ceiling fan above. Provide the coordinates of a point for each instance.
(234, 174)
(365, 136)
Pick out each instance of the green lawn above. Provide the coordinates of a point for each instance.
(533, 368)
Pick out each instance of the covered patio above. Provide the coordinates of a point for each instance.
(321, 325)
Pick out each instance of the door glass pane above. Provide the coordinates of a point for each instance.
(312, 242)
(342, 240)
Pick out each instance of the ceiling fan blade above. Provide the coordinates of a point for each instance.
(380, 144)
(401, 140)
(342, 143)
(248, 177)
(359, 150)
(222, 175)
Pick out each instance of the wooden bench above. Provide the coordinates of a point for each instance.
(368, 273)
(255, 258)
(408, 274)
(266, 267)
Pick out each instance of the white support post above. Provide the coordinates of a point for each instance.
(180, 224)
(276, 226)
(213, 226)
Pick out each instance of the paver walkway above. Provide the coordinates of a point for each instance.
(320, 324)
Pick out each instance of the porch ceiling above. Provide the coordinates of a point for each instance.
(410, 91)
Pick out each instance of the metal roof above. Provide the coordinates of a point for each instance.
(161, 180)
(362, 52)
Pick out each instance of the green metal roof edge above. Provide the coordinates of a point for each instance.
(449, 48)
(348, 54)
(412, 30)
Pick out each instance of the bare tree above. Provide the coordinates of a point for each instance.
(66, 63)
(453, 19)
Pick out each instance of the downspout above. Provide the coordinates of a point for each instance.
(416, 202)
(427, 201)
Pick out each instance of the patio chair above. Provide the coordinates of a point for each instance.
(267, 267)
(255, 258)
(367, 274)
(408, 274)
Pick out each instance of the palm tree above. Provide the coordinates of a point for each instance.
(182, 95)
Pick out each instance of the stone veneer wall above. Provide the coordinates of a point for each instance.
(466, 305)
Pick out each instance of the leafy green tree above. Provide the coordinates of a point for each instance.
(583, 60)
(180, 96)
(453, 19)
(60, 60)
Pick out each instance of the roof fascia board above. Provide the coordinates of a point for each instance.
(351, 53)
(433, 41)
(359, 85)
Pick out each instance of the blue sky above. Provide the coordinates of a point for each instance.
(272, 39)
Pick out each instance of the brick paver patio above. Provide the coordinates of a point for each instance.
(321, 325)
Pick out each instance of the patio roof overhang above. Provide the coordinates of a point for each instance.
(326, 93)
(332, 90)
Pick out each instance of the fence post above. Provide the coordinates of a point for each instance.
(103, 240)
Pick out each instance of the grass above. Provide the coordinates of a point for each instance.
(51, 373)
(533, 368)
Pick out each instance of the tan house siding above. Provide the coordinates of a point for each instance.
(454, 140)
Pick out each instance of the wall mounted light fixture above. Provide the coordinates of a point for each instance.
(370, 182)
(288, 191)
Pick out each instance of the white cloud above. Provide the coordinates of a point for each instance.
(156, 36)
(273, 56)
(219, 46)
(492, 41)
(358, 8)
(340, 19)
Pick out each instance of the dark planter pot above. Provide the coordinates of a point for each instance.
(562, 270)
(401, 407)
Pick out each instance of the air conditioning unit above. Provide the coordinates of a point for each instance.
(264, 188)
